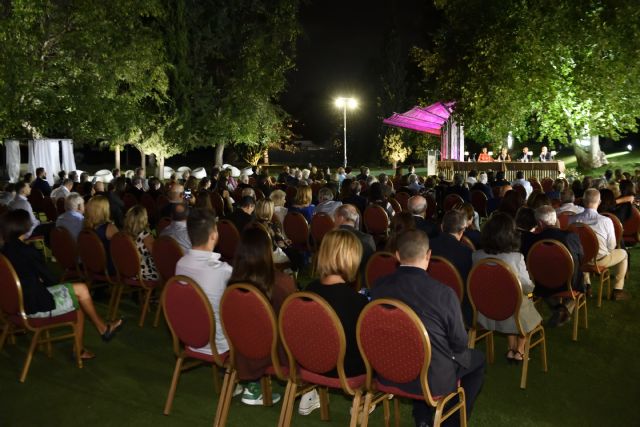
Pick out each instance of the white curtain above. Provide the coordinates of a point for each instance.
(12, 147)
(68, 159)
(44, 153)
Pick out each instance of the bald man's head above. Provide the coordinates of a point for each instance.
(417, 205)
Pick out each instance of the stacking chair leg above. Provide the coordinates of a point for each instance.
(47, 336)
(225, 397)
(396, 411)
(525, 361)
(581, 303)
(145, 306)
(173, 386)
(77, 340)
(355, 412)
(265, 383)
(386, 407)
(116, 296)
(355, 408)
(3, 336)
(156, 321)
(27, 362)
(286, 412)
(216, 378)
(324, 403)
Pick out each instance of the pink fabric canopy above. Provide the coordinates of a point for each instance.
(423, 119)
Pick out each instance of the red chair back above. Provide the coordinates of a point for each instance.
(125, 256)
(431, 206)
(563, 219)
(547, 184)
(396, 357)
(312, 334)
(321, 224)
(536, 185)
(589, 240)
(617, 226)
(521, 190)
(64, 248)
(376, 220)
(92, 252)
(479, 202)
(403, 199)
(162, 224)
(451, 201)
(380, 264)
(395, 205)
(10, 291)
(166, 254)
(297, 229)
(545, 253)
(217, 202)
(446, 273)
(228, 239)
(468, 243)
(150, 205)
(189, 314)
(49, 209)
(250, 325)
(494, 290)
(36, 199)
(60, 205)
(631, 228)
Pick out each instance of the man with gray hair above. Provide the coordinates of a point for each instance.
(345, 218)
(568, 198)
(608, 254)
(482, 185)
(417, 205)
(326, 204)
(73, 217)
(547, 220)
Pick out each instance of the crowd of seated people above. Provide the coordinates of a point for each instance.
(258, 205)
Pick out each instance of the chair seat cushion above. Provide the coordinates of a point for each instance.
(399, 392)
(136, 282)
(40, 322)
(284, 369)
(591, 268)
(568, 294)
(204, 356)
(312, 377)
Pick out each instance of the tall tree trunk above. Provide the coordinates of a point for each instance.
(589, 156)
(394, 164)
(143, 160)
(160, 165)
(220, 154)
(117, 156)
(265, 157)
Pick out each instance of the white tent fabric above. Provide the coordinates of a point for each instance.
(45, 153)
(12, 147)
(68, 159)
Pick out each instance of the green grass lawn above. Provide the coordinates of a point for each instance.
(592, 382)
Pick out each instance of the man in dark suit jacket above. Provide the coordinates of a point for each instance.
(438, 308)
(356, 199)
(417, 205)
(345, 217)
(243, 213)
(546, 217)
(459, 188)
(447, 245)
(41, 182)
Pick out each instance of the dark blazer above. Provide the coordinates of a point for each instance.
(368, 244)
(240, 219)
(438, 307)
(33, 274)
(358, 201)
(570, 240)
(461, 191)
(42, 185)
(484, 188)
(429, 228)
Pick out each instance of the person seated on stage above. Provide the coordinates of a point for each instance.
(526, 155)
(43, 296)
(484, 156)
(545, 155)
(504, 155)
(438, 308)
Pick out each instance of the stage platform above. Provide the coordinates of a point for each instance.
(537, 170)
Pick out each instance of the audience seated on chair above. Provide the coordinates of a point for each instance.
(136, 224)
(346, 218)
(500, 240)
(43, 296)
(63, 190)
(338, 261)
(439, 309)
(41, 182)
(23, 190)
(97, 218)
(73, 217)
(546, 218)
(608, 255)
(254, 264)
(417, 205)
(302, 202)
(568, 198)
(205, 267)
(243, 213)
(177, 229)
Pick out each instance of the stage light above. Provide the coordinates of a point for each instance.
(629, 147)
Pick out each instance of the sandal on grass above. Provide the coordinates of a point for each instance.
(87, 355)
(112, 328)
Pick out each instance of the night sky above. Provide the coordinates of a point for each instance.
(340, 54)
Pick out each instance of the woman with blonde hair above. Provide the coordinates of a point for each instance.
(282, 249)
(302, 202)
(136, 224)
(97, 217)
(338, 262)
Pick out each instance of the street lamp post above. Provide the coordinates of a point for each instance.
(345, 103)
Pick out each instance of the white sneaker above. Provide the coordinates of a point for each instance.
(309, 402)
(238, 390)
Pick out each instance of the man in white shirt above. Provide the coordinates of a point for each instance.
(568, 198)
(205, 267)
(608, 254)
(177, 230)
(521, 181)
(63, 190)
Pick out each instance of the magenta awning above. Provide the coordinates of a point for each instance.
(423, 119)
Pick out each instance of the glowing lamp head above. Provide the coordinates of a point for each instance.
(340, 102)
(350, 103)
(629, 147)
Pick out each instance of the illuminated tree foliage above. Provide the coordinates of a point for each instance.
(394, 149)
(554, 69)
